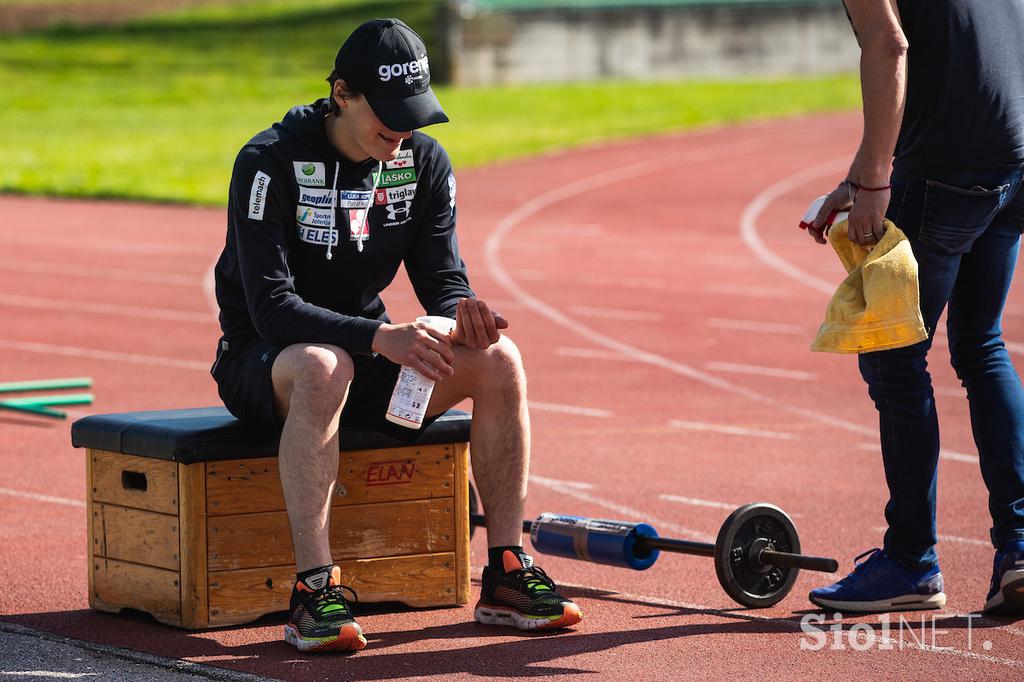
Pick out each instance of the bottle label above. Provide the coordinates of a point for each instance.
(410, 398)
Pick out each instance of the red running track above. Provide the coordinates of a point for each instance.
(664, 302)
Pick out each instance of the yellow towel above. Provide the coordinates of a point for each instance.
(878, 305)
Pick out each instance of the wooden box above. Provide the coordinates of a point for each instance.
(207, 543)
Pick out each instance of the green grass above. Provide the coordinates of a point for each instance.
(157, 109)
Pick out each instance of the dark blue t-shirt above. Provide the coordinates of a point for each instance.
(965, 86)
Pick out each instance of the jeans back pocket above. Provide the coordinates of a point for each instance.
(953, 217)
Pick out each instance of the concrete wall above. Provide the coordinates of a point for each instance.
(653, 42)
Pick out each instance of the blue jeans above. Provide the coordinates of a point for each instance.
(965, 232)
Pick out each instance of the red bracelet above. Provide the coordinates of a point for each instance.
(861, 188)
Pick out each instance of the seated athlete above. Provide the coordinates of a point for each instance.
(324, 207)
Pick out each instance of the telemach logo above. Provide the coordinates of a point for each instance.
(258, 195)
(391, 473)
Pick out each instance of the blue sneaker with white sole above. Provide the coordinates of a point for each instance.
(881, 584)
(1006, 593)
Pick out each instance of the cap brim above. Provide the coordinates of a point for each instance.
(403, 114)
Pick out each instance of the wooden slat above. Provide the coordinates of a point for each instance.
(108, 481)
(88, 540)
(135, 535)
(421, 580)
(413, 473)
(194, 597)
(461, 500)
(118, 585)
(366, 530)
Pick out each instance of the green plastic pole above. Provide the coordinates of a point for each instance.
(34, 409)
(46, 385)
(41, 401)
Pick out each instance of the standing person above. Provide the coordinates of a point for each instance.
(324, 207)
(943, 87)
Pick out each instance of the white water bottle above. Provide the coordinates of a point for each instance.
(412, 390)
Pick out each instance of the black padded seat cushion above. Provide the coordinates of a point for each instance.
(207, 434)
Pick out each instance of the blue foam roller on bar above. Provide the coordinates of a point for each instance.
(597, 540)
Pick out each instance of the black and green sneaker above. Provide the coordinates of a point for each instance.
(321, 620)
(523, 596)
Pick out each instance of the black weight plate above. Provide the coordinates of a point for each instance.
(764, 526)
(474, 507)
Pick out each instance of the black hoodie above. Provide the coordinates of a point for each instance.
(291, 270)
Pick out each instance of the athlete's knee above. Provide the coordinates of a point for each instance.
(501, 365)
(317, 371)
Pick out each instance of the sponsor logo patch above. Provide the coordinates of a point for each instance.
(314, 217)
(451, 190)
(399, 211)
(411, 70)
(316, 197)
(310, 173)
(258, 195)
(403, 160)
(397, 176)
(392, 195)
(353, 198)
(358, 226)
(317, 235)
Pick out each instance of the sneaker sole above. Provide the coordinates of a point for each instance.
(350, 638)
(906, 603)
(1010, 597)
(498, 615)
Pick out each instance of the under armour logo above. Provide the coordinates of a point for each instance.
(399, 211)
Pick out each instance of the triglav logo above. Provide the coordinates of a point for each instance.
(409, 69)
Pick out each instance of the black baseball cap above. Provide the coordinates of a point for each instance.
(386, 61)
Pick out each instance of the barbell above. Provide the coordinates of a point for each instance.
(757, 551)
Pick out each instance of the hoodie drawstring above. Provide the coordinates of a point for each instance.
(334, 233)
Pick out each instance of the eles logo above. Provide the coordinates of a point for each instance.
(410, 69)
(391, 473)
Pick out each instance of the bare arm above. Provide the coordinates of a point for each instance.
(883, 71)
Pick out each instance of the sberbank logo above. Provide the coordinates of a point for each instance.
(308, 169)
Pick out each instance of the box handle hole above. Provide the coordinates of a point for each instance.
(133, 480)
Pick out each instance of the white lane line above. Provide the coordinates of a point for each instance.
(593, 354)
(756, 326)
(627, 282)
(76, 352)
(615, 314)
(154, 248)
(627, 513)
(758, 370)
(121, 275)
(557, 483)
(695, 502)
(39, 497)
(581, 186)
(956, 539)
(755, 291)
(912, 643)
(105, 309)
(569, 409)
(951, 455)
(730, 430)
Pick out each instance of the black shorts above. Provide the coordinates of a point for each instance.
(244, 382)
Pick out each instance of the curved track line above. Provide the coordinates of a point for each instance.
(597, 181)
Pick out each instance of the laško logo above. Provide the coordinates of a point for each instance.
(391, 473)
